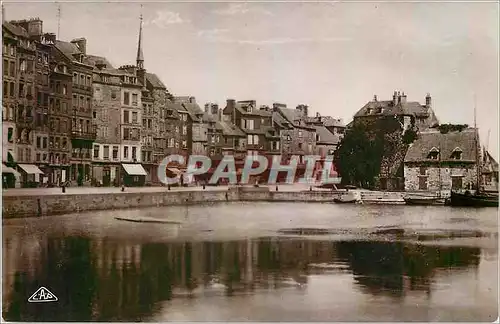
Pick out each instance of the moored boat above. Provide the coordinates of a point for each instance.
(468, 199)
(424, 200)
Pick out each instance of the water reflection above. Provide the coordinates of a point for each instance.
(110, 280)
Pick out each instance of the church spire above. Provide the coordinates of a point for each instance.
(140, 56)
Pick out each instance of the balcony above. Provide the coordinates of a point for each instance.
(79, 135)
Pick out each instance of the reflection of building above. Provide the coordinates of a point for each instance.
(114, 280)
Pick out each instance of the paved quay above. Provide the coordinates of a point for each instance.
(15, 192)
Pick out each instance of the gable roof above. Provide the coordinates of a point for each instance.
(326, 137)
(193, 110)
(16, 30)
(489, 163)
(68, 49)
(389, 108)
(155, 81)
(231, 130)
(446, 143)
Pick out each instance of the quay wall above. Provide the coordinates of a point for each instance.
(45, 205)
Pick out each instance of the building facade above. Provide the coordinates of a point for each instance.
(443, 162)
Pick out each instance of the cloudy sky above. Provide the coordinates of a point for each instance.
(332, 56)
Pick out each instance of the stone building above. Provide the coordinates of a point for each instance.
(410, 116)
(489, 172)
(83, 132)
(438, 161)
(298, 138)
(193, 129)
(216, 141)
(106, 114)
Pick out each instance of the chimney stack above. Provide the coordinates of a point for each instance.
(214, 109)
(375, 98)
(230, 103)
(395, 98)
(428, 101)
(403, 98)
(207, 107)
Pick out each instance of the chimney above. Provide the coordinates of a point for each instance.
(207, 107)
(81, 43)
(192, 100)
(395, 98)
(428, 101)
(219, 115)
(214, 109)
(375, 98)
(403, 98)
(35, 27)
(230, 103)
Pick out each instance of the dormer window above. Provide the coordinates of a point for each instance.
(369, 111)
(379, 110)
(433, 154)
(456, 154)
(249, 108)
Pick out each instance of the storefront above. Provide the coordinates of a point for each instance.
(134, 175)
(31, 175)
(10, 177)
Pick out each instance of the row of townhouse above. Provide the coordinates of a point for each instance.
(72, 117)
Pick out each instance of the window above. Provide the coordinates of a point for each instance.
(126, 133)
(75, 101)
(150, 124)
(44, 142)
(75, 78)
(64, 143)
(125, 116)
(135, 134)
(171, 142)
(126, 98)
(433, 154)
(250, 139)
(94, 114)
(134, 152)
(12, 67)
(82, 79)
(125, 152)
(456, 182)
(184, 130)
(134, 99)
(5, 67)
(10, 135)
(113, 94)
(422, 183)
(300, 133)
(423, 171)
(134, 117)
(115, 152)
(300, 146)
(456, 154)
(184, 117)
(106, 152)
(176, 129)
(96, 151)
(88, 81)
(184, 144)
(12, 89)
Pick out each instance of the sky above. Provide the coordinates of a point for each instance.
(331, 56)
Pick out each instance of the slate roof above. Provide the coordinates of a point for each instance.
(294, 117)
(94, 59)
(242, 108)
(325, 136)
(231, 130)
(332, 122)
(16, 30)
(68, 49)
(489, 163)
(209, 118)
(155, 81)
(194, 111)
(446, 143)
(389, 108)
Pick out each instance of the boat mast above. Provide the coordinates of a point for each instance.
(476, 143)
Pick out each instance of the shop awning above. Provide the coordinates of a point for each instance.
(134, 169)
(6, 169)
(30, 168)
(174, 171)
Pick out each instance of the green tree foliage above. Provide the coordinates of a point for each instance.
(362, 149)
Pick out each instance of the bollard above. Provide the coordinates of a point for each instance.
(168, 186)
(123, 188)
(203, 186)
(310, 188)
(63, 188)
(276, 188)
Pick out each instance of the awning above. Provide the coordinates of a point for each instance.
(6, 169)
(30, 168)
(134, 169)
(175, 171)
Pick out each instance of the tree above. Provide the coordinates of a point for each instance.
(358, 156)
(360, 153)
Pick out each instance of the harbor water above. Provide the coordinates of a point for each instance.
(256, 262)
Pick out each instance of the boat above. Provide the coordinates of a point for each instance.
(347, 198)
(146, 220)
(478, 198)
(424, 200)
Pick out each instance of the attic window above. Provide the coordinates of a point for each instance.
(379, 110)
(456, 154)
(369, 111)
(433, 154)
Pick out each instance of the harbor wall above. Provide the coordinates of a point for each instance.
(45, 205)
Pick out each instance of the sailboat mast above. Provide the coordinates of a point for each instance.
(476, 143)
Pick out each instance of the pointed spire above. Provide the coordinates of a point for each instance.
(140, 56)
